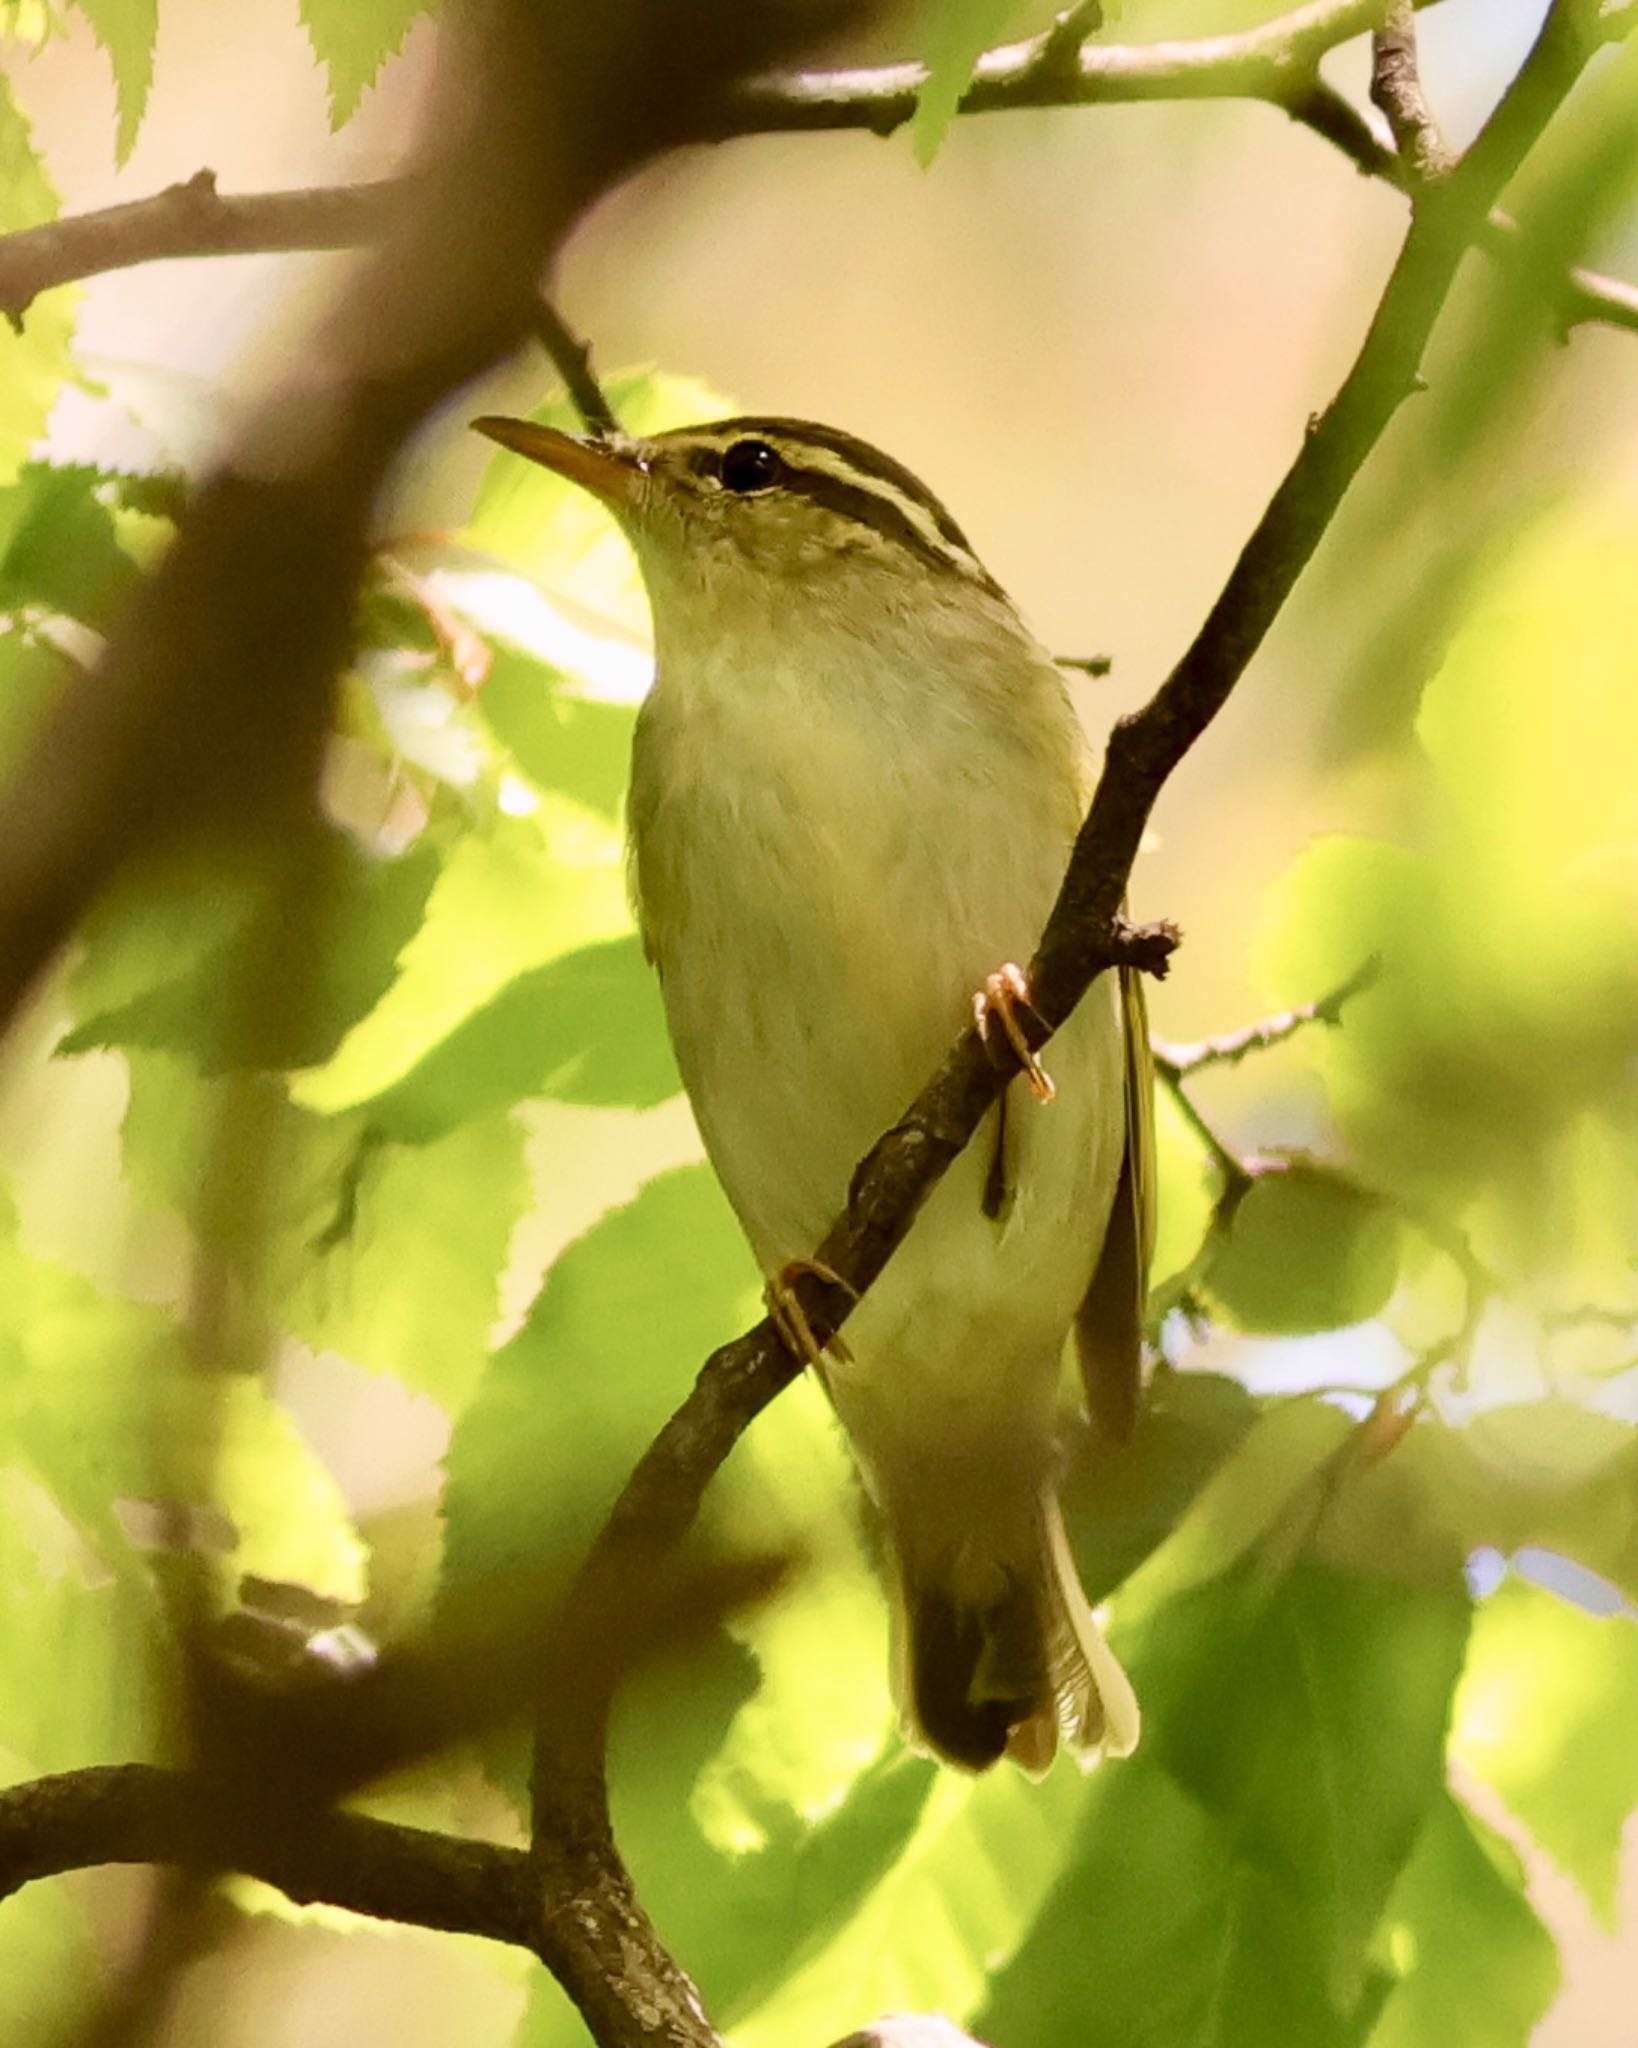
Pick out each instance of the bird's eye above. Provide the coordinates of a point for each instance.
(750, 466)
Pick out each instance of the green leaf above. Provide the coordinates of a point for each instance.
(1547, 1473)
(549, 530)
(1545, 1717)
(126, 29)
(406, 1277)
(1269, 1483)
(1476, 1968)
(34, 352)
(587, 1028)
(100, 1400)
(1225, 1882)
(610, 1346)
(1122, 1500)
(1188, 1193)
(1308, 1712)
(953, 1907)
(1164, 1933)
(57, 543)
(1306, 1251)
(821, 1711)
(955, 34)
(79, 1679)
(163, 958)
(558, 740)
(352, 39)
(515, 897)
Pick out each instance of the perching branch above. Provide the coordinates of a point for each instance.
(572, 1901)
(1084, 936)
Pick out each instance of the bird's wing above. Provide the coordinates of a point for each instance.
(1109, 1323)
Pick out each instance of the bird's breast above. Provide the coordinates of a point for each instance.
(824, 880)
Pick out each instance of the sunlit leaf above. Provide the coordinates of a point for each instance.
(1165, 1931)
(34, 353)
(625, 1319)
(126, 30)
(1308, 1710)
(550, 530)
(514, 897)
(58, 547)
(1545, 1716)
(1121, 1500)
(405, 1277)
(352, 39)
(954, 1905)
(1271, 1477)
(954, 33)
(1476, 1968)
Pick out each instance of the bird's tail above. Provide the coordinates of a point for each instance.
(999, 1653)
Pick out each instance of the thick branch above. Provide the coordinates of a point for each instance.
(138, 1813)
(1084, 936)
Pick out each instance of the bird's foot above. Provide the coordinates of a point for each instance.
(790, 1318)
(1004, 998)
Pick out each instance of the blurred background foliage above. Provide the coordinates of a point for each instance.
(1374, 1554)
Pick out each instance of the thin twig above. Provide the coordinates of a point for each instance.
(1277, 63)
(1178, 1062)
(1396, 90)
(571, 358)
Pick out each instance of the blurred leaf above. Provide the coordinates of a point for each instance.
(126, 30)
(511, 898)
(1122, 1500)
(352, 39)
(1225, 1882)
(611, 1345)
(163, 957)
(1164, 1932)
(952, 1908)
(406, 1277)
(79, 1678)
(1308, 1711)
(1545, 1716)
(587, 1028)
(1535, 1472)
(557, 739)
(1187, 1193)
(954, 34)
(1272, 1477)
(1306, 1250)
(57, 544)
(550, 530)
(820, 1713)
(1476, 1968)
(34, 354)
(100, 1399)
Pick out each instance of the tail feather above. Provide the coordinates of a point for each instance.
(1002, 1656)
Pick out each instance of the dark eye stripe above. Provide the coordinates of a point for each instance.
(869, 508)
(792, 436)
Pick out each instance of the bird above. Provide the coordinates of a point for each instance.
(855, 786)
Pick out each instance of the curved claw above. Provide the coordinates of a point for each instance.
(1005, 995)
(790, 1319)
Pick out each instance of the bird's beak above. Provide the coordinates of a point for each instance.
(604, 468)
